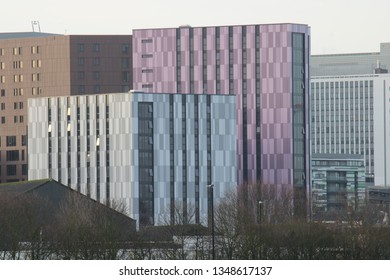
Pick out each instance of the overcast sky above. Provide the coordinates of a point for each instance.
(337, 26)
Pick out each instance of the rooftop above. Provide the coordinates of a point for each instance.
(18, 35)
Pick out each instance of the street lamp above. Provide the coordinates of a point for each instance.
(259, 212)
(211, 204)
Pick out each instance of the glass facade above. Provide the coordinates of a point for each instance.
(146, 163)
(299, 119)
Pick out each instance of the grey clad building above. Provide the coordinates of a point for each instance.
(156, 153)
(338, 184)
(351, 63)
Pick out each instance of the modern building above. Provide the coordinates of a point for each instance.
(350, 115)
(155, 153)
(37, 64)
(338, 184)
(380, 196)
(351, 63)
(265, 66)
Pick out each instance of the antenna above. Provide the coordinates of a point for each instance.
(35, 23)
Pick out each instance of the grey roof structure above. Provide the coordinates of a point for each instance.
(350, 63)
(18, 35)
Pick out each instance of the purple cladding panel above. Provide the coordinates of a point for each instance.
(255, 63)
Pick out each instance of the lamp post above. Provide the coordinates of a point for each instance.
(259, 212)
(211, 196)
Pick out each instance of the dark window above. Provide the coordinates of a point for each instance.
(96, 61)
(11, 170)
(125, 76)
(24, 169)
(81, 47)
(125, 48)
(81, 75)
(11, 141)
(13, 155)
(147, 85)
(147, 70)
(125, 63)
(96, 47)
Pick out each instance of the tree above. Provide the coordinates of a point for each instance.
(89, 230)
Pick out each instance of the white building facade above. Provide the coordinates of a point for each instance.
(350, 115)
(154, 153)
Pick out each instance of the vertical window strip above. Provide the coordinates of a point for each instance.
(184, 158)
(178, 61)
(258, 98)
(244, 105)
(172, 157)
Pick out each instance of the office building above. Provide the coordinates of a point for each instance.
(37, 64)
(351, 63)
(350, 115)
(338, 184)
(265, 66)
(155, 153)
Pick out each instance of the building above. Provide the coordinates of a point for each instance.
(156, 153)
(39, 64)
(338, 184)
(43, 219)
(351, 63)
(265, 66)
(380, 196)
(350, 115)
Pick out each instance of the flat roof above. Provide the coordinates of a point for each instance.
(18, 35)
(223, 25)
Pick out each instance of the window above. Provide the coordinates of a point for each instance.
(96, 47)
(81, 89)
(81, 47)
(125, 48)
(81, 75)
(147, 85)
(96, 89)
(96, 75)
(24, 140)
(125, 76)
(3, 92)
(2, 79)
(125, 63)
(13, 155)
(11, 170)
(148, 55)
(147, 70)
(24, 169)
(96, 61)
(145, 41)
(17, 51)
(81, 61)
(34, 49)
(36, 77)
(2, 119)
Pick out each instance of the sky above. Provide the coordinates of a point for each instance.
(337, 26)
